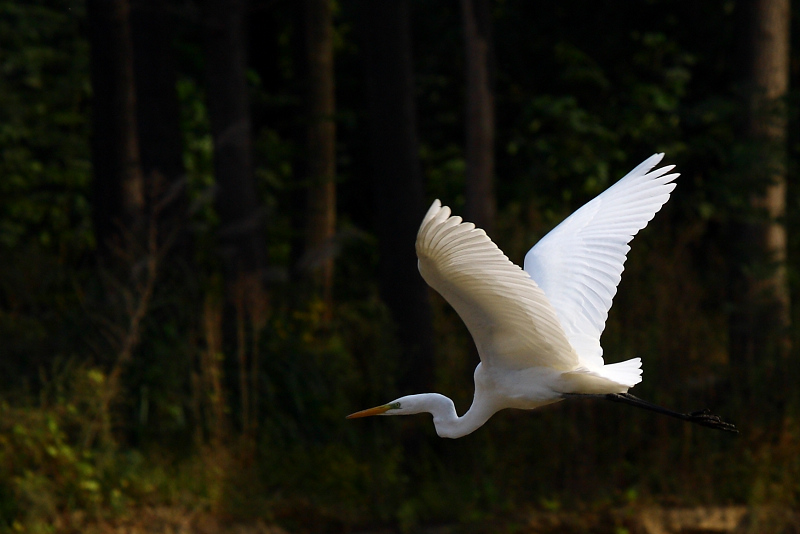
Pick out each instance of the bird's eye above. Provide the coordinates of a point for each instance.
(395, 406)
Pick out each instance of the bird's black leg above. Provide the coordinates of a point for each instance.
(703, 417)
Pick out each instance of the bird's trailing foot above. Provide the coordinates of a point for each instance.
(706, 418)
(702, 417)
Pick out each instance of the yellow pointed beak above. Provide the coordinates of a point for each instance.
(378, 410)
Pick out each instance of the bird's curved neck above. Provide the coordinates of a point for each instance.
(447, 422)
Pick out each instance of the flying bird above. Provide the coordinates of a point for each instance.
(538, 330)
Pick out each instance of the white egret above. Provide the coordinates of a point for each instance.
(538, 330)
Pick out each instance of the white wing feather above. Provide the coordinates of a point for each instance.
(510, 319)
(579, 263)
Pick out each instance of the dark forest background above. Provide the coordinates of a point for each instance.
(207, 222)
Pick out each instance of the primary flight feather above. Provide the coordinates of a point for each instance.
(538, 330)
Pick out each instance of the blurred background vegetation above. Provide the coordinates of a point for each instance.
(207, 221)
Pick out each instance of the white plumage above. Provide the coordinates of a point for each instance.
(538, 330)
(579, 263)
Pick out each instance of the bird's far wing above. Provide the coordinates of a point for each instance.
(579, 263)
(509, 317)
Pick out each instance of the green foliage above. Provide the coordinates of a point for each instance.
(44, 144)
(52, 462)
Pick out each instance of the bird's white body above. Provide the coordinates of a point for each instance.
(537, 330)
(497, 389)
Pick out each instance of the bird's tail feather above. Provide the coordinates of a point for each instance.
(613, 378)
(628, 373)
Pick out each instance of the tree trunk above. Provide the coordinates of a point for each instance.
(118, 201)
(241, 232)
(158, 119)
(118, 191)
(241, 235)
(480, 203)
(321, 146)
(398, 186)
(759, 336)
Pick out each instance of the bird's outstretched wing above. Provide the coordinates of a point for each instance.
(579, 263)
(509, 317)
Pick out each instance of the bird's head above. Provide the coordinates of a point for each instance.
(444, 414)
(407, 405)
